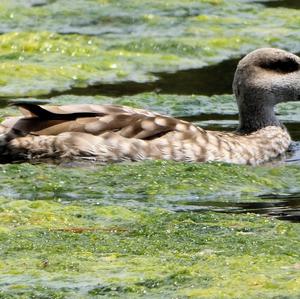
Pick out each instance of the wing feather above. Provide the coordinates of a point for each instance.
(94, 119)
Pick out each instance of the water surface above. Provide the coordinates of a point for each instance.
(283, 3)
(281, 206)
(209, 80)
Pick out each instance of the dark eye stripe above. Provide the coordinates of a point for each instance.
(285, 65)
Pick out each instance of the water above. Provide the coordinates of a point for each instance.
(280, 206)
(209, 80)
(283, 3)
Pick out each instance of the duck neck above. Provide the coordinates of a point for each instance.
(255, 114)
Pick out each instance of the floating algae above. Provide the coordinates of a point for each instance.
(43, 47)
(73, 251)
(154, 229)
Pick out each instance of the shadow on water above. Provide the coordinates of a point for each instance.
(283, 3)
(209, 80)
(39, 3)
(280, 206)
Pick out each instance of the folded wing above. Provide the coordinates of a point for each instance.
(94, 119)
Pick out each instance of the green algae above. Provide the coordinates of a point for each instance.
(150, 253)
(44, 49)
(157, 183)
(82, 230)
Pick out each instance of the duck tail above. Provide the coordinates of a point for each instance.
(37, 109)
(33, 108)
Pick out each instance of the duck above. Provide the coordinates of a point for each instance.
(112, 133)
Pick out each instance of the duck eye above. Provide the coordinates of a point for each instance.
(285, 65)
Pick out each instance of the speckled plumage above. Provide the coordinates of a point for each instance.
(117, 133)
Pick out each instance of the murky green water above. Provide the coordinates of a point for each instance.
(154, 229)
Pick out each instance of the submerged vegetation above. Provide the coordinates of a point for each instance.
(154, 229)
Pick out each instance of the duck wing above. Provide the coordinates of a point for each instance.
(96, 120)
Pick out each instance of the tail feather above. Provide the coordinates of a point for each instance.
(42, 113)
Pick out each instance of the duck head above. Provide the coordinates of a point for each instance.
(264, 78)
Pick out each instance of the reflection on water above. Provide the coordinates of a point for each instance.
(281, 206)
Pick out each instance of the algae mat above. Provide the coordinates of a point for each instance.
(56, 45)
(154, 229)
(73, 251)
